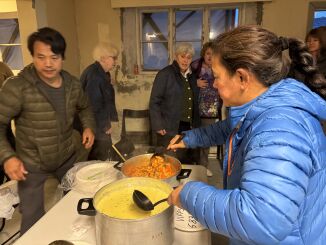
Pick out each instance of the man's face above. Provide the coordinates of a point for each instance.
(183, 61)
(47, 64)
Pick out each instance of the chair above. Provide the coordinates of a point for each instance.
(143, 136)
(125, 147)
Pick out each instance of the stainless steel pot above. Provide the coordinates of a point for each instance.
(157, 229)
(144, 159)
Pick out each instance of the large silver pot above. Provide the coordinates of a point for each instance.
(157, 229)
(144, 160)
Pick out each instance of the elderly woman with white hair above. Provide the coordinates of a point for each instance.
(96, 81)
(174, 101)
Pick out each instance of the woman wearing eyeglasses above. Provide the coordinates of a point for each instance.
(96, 81)
(275, 161)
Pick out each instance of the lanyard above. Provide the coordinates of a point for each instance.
(234, 131)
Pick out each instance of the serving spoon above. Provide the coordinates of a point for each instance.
(143, 202)
(161, 152)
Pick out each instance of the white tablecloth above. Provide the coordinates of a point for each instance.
(62, 222)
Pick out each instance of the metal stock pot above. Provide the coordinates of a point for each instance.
(155, 229)
(144, 160)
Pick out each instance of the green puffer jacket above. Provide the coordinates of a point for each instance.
(42, 143)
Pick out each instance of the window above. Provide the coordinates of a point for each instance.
(155, 43)
(189, 28)
(222, 20)
(10, 44)
(316, 14)
(319, 18)
(161, 30)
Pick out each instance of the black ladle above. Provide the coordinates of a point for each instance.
(143, 202)
(161, 153)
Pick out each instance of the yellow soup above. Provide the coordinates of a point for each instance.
(119, 203)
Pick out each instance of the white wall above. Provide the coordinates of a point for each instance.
(288, 17)
(61, 15)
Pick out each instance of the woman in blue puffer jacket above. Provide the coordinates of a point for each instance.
(275, 160)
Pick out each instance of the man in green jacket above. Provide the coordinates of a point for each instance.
(42, 100)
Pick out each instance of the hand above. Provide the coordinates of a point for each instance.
(161, 132)
(88, 138)
(174, 197)
(109, 131)
(15, 169)
(173, 146)
(202, 83)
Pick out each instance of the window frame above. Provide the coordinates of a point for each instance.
(313, 7)
(171, 27)
(8, 45)
(139, 35)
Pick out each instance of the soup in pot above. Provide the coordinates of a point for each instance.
(119, 203)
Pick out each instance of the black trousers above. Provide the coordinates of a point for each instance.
(101, 150)
(31, 194)
(185, 156)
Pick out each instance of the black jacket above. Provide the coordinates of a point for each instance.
(97, 84)
(166, 100)
(296, 71)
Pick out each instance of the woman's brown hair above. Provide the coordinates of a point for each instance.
(320, 34)
(206, 46)
(260, 51)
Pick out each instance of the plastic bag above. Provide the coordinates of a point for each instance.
(88, 177)
(7, 199)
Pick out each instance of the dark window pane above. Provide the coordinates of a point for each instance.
(155, 26)
(9, 31)
(222, 20)
(319, 18)
(189, 25)
(12, 56)
(155, 56)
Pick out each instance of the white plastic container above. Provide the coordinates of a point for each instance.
(90, 178)
(185, 221)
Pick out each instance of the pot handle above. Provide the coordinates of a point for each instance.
(184, 173)
(90, 210)
(118, 165)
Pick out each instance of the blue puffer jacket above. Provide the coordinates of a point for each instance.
(276, 193)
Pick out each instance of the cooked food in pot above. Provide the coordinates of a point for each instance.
(157, 168)
(119, 203)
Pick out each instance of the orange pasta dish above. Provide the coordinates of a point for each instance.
(157, 168)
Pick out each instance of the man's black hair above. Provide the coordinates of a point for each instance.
(49, 36)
